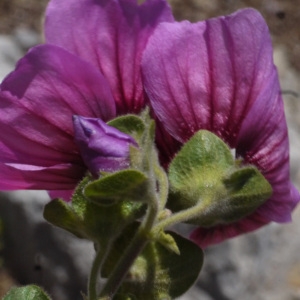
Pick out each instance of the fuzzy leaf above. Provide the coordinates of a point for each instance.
(60, 214)
(157, 273)
(204, 174)
(125, 185)
(197, 170)
(130, 124)
(29, 292)
(86, 219)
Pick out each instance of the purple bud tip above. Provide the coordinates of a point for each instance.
(103, 148)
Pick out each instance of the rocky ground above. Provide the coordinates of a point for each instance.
(259, 266)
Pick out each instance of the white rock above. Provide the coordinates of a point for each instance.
(10, 52)
(37, 252)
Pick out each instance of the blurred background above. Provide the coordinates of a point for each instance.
(258, 266)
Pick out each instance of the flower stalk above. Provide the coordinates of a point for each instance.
(123, 266)
(140, 240)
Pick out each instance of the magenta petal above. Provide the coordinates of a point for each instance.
(219, 75)
(111, 35)
(66, 195)
(263, 142)
(39, 99)
(207, 75)
(204, 237)
(56, 84)
(37, 103)
(103, 148)
(21, 176)
(166, 144)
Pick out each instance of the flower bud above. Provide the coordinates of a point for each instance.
(103, 148)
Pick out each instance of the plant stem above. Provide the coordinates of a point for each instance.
(136, 246)
(155, 173)
(100, 257)
(181, 216)
(118, 274)
(162, 178)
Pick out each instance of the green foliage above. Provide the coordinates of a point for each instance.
(125, 185)
(29, 292)
(157, 273)
(205, 175)
(124, 213)
(130, 124)
(86, 219)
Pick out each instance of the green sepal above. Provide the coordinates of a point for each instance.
(247, 189)
(130, 124)
(136, 158)
(29, 292)
(61, 214)
(157, 273)
(151, 128)
(167, 240)
(125, 185)
(149, 132)
(203, 160)
(86, 219)
(205, 176)
(197, 171)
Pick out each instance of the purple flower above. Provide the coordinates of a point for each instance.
(219, 75)
(103, 148)
(111, 35)
(90, 66)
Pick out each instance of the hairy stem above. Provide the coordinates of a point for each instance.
(136, 246)
(94, 274)
(181, 216)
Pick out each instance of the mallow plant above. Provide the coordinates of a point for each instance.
(133, 123)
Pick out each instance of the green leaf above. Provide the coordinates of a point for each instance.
(247, 190)
(102, 223)
(86, 219)
(157, 273)
(198, 169)
(205, 178)
(166, 240)
(125, 185)
(130, 124)
(60, 214)
(29, 292)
